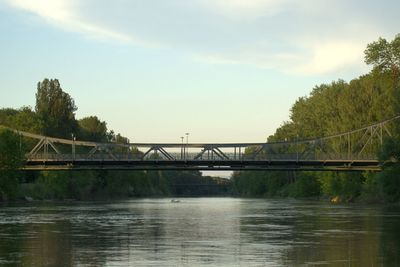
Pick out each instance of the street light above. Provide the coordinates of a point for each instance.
(187, 143)
(73, 145)
(182, 149)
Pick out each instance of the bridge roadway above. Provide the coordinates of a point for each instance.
(122, 162)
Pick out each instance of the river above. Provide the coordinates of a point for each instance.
(199, 232)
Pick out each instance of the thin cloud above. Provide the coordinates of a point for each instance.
(65, 14)
(240, 9)
(314, 58)
(331, 56)
(215, 59)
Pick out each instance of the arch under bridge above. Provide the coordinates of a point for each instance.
(349, 151)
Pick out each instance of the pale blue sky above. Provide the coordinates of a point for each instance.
(223, 70)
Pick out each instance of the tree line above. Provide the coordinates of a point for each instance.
(333, 108)
(54, 115)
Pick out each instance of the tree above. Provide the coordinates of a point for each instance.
(55, 108)
(92, 129)
(6, 114)
(26, 120)
(384, 55)
(11, 159)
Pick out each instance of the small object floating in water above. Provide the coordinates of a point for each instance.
(175, 201)
(336, 200)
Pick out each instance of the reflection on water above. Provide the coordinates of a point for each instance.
(199, 231)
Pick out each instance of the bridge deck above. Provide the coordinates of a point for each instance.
(134, 164)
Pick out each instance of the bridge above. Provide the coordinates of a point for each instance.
(349, 151)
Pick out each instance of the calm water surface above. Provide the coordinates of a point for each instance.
(199, 232)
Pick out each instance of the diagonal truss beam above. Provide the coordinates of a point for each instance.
(44, 143)
(165, 153)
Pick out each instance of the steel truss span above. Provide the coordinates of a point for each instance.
(353, 150)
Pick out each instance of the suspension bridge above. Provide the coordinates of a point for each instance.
(349, 151)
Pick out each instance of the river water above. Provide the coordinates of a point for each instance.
(199, 232)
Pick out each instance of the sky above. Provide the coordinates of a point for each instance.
(221, 70)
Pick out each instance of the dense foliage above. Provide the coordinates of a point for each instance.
(333, 108)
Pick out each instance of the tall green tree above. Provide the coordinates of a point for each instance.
(384, 55)
(91, 128)
(55, 108)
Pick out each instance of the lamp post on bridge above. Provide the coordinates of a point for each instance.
(73, 145)
(182, 148)
(187, 147)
